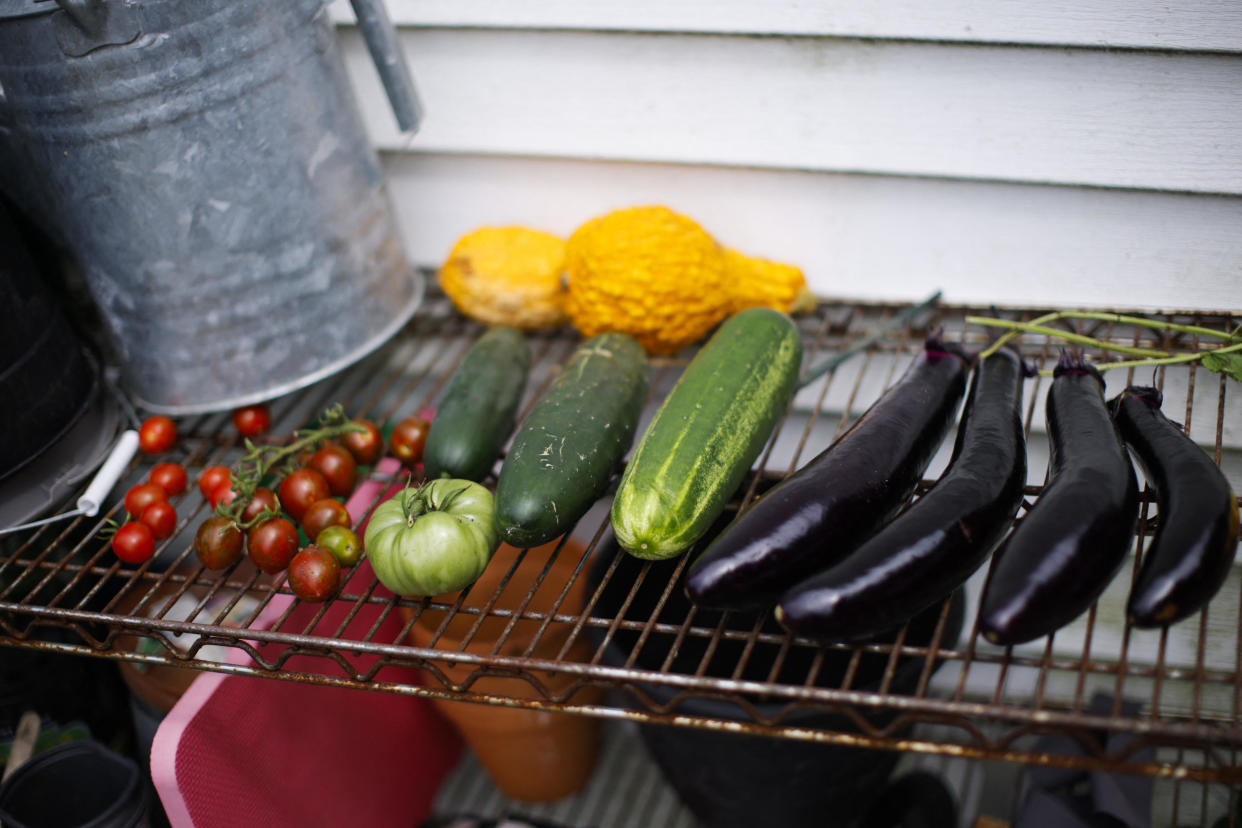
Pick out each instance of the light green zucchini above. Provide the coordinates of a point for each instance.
(706, 434)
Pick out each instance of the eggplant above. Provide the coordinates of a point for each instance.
(825, 509)
(932, 547)
(1072, 542)
(1197, 531)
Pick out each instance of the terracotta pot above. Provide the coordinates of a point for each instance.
(531, 755)
(160, 686)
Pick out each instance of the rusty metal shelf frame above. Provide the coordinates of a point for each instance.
(61, 577)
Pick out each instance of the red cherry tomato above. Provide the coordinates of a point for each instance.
(218, 542)
(142, 495)
(161, 518)
(367, 445)
(222, 495)
(300, 489)
(324, 513)
(170, 477)
(409, 436)
(263, 499)
(211, 478)
(272, 544)
(157, 434)
(337, 466)
(314, 574)
(252, 420)
(133, 542)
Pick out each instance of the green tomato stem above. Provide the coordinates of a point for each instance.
(1180, 359)
(258, 461)
(1036, 327)
(1097, 316)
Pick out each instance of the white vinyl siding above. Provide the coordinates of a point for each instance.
(1088, 155)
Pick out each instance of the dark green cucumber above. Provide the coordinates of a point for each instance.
(568, 448)
(706, 435)
(477, 413)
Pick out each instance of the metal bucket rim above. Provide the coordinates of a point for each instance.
(385, 333)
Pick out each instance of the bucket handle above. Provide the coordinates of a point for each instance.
(385, 49)
(90, 15)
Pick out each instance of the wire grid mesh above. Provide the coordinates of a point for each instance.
(988, 702)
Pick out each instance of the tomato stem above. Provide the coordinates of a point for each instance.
(1151, 357)
(259, 460)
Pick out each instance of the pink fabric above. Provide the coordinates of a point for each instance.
(243, 750)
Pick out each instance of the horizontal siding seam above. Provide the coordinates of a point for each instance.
(803, 36)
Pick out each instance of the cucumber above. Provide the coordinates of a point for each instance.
(477, 413)
(707, 433)
(566, 451)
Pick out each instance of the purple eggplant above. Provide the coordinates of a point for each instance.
(1197, 531)
(933, 546)
(1072, 542)
(824, 510)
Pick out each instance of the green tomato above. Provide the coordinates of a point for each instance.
(433, 539)
(341, 542)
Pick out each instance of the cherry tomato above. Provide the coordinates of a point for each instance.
(366, 446)
(272, 544)
(408, 438)
(342, 542)
(161, 518)
(252, 420)
(157, 434)
(211, 478)
(170, 477)
(300, 489)
(314, 574)
(224, 494)
(263, 499)
(218, 542)
(337, 466)
(142, 495)
(324, 513)
(133, 542)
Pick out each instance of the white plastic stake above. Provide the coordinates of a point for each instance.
(124, 451)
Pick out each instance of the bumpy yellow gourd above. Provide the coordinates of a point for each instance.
(507, 276)
(648, 272)
(660, 277)
(764, 283)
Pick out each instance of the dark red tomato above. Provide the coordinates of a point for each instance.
(157, 434)
(366, 446)
(337, 466)
(161, 518)
(263, 499)
(409, 436)
(133, 542)
(272, 544)
(211, 478)
(170, 477)
(218, 542)
(142, 495)
(314, 574)
(300, 489)
(252, 420)
(342, 542)
(324, 513)
(222, 495)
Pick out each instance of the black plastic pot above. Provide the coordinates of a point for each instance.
(729, 779)
(76, 785)
(47, 377)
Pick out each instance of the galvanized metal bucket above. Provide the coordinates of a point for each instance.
(206, 166)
